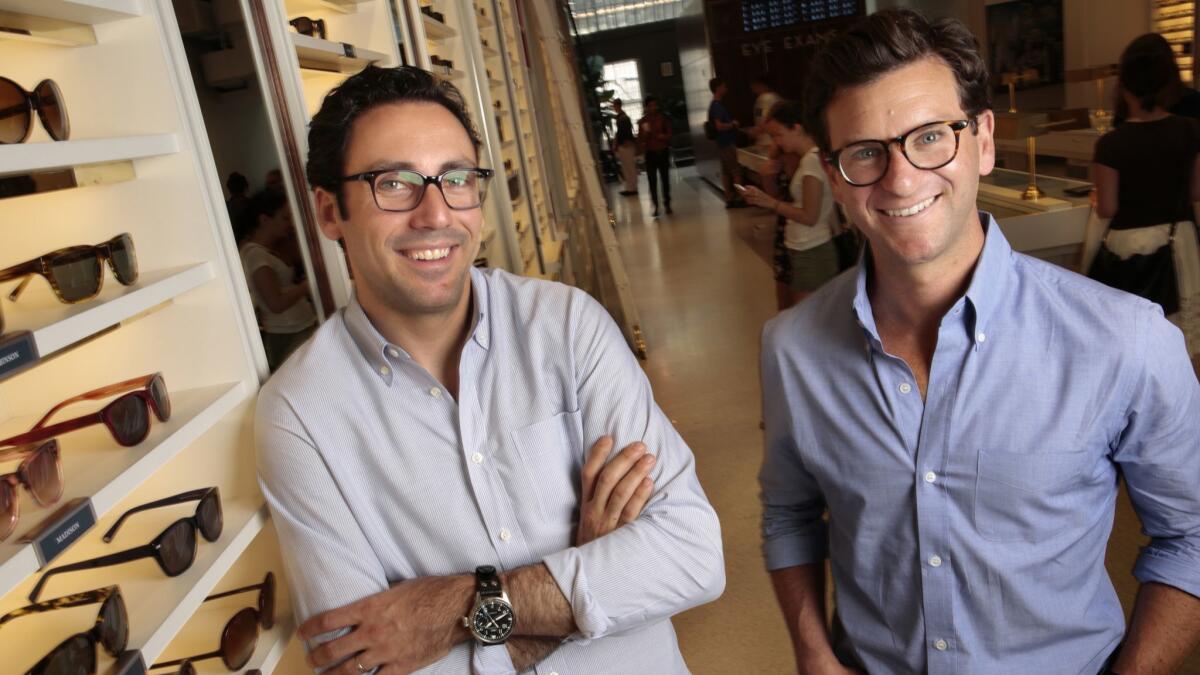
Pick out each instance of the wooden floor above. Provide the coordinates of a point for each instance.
(703, 293)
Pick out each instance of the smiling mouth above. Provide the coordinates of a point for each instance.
(911, 210)
(427, 253)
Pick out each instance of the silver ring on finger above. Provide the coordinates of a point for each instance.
(361, 667)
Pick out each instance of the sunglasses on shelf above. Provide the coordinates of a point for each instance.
(174, 549)
(76, 273)
(127, 418)
(240, 635)
(77, 654)
(40, 472)
(309, 27)
(208, 519)
(17, 107)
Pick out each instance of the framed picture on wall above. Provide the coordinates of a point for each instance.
(1026, 36)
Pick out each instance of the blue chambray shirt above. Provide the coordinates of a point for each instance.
(967, 532)
(375, 474)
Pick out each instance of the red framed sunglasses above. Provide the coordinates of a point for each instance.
(127, 417)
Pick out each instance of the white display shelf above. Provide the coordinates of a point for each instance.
(436, 30)
(273, 644)
(30, 157)
(56, 326)
(490, 52)
(484, 20)
(495, 84)
(448, 73)
(305, 6)
(509, 145)
(95, 466)
(325, 55)
(77, 11)
(44, 30)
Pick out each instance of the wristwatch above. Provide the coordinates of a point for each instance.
(491, 620)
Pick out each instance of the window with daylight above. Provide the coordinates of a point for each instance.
(622, 78)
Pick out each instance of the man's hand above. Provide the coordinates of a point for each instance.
(614, 493)
(404, 628)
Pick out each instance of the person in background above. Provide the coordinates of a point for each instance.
(286, 317)
(964, 414)
(726, 138)
(654, 138)
(238, 203)
(1147, 173)
(811, 215)
(625, 148)
(273, 182)
(765, 100)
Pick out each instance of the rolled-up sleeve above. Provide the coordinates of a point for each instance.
(793, 528)
(1159, 455)
(669, 559)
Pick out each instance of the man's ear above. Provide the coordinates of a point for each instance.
(985, 136)
(329, 214)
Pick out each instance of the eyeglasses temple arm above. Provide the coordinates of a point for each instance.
(179, 662)
(67, 601)
(103, 392)
(226, 594)
(146, 551)
(189, 496)
(40, 433)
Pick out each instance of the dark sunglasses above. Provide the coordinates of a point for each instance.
(174, 549)
(240, 635)
(309, 27)
(17, 106)
(40, 472)
(77, 654)
(209, 519)
(127, 417)
(76, 273)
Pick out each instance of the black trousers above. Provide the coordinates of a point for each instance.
(658, 163)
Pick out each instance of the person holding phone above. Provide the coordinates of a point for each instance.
(811, 216)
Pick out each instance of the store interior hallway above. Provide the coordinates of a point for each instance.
(703, 288)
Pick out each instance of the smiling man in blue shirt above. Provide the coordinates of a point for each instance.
(962, 412)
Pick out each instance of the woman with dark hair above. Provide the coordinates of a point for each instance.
(285, 314)
(1146, 177)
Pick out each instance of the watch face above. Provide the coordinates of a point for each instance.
(493, 620)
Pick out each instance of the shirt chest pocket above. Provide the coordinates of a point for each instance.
(1030, 496)
(551, 456)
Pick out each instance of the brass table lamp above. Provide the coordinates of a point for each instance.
(1029, 125)
(1097, 74)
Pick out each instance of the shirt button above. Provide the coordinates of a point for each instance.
(935, 561)
(930, 476)
(477, 458)
(435, 392)
(384, 370)
(941, 645)
(905, 387)
(505, 535)
(981, 337)
(393, 352)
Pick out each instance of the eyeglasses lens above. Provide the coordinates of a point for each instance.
(114, 625)
(50, 109)
(930, 147)
(403, 190)
(44, 473)
(162, 402)
(123, 259)
(128, 419)
(239, 639)
(210, 518)
(76, 274)
(266, 602)
(178, 548)
(15, 115)
(8, 509)
(74, 656)
(186, 668)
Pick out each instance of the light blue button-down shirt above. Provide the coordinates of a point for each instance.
(967, 531)
(375, 474)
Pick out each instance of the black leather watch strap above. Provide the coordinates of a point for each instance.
(487, 582)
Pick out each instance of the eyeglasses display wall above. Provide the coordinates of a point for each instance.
(1175, 20)
(129, 355)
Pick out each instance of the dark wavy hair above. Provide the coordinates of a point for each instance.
(1148, 71)
(329, 131)
(788, 113)
(883, 42)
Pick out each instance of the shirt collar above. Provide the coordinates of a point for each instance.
(988, 281)
(383, 355)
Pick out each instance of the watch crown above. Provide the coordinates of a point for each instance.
(466, 622)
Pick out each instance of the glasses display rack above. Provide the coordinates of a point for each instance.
(1175, 20)
(137, 161)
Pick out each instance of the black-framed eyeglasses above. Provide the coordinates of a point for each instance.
(929, 146)
(401, 190)
(209, 518)
(77, 654)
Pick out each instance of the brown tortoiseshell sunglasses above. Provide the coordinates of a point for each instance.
(40, 472)
(127, 418)
(77, 654)
(76, 273)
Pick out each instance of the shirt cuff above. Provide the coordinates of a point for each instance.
(796, 549)
(567, 568)
(1159, 567)
(491, 660)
